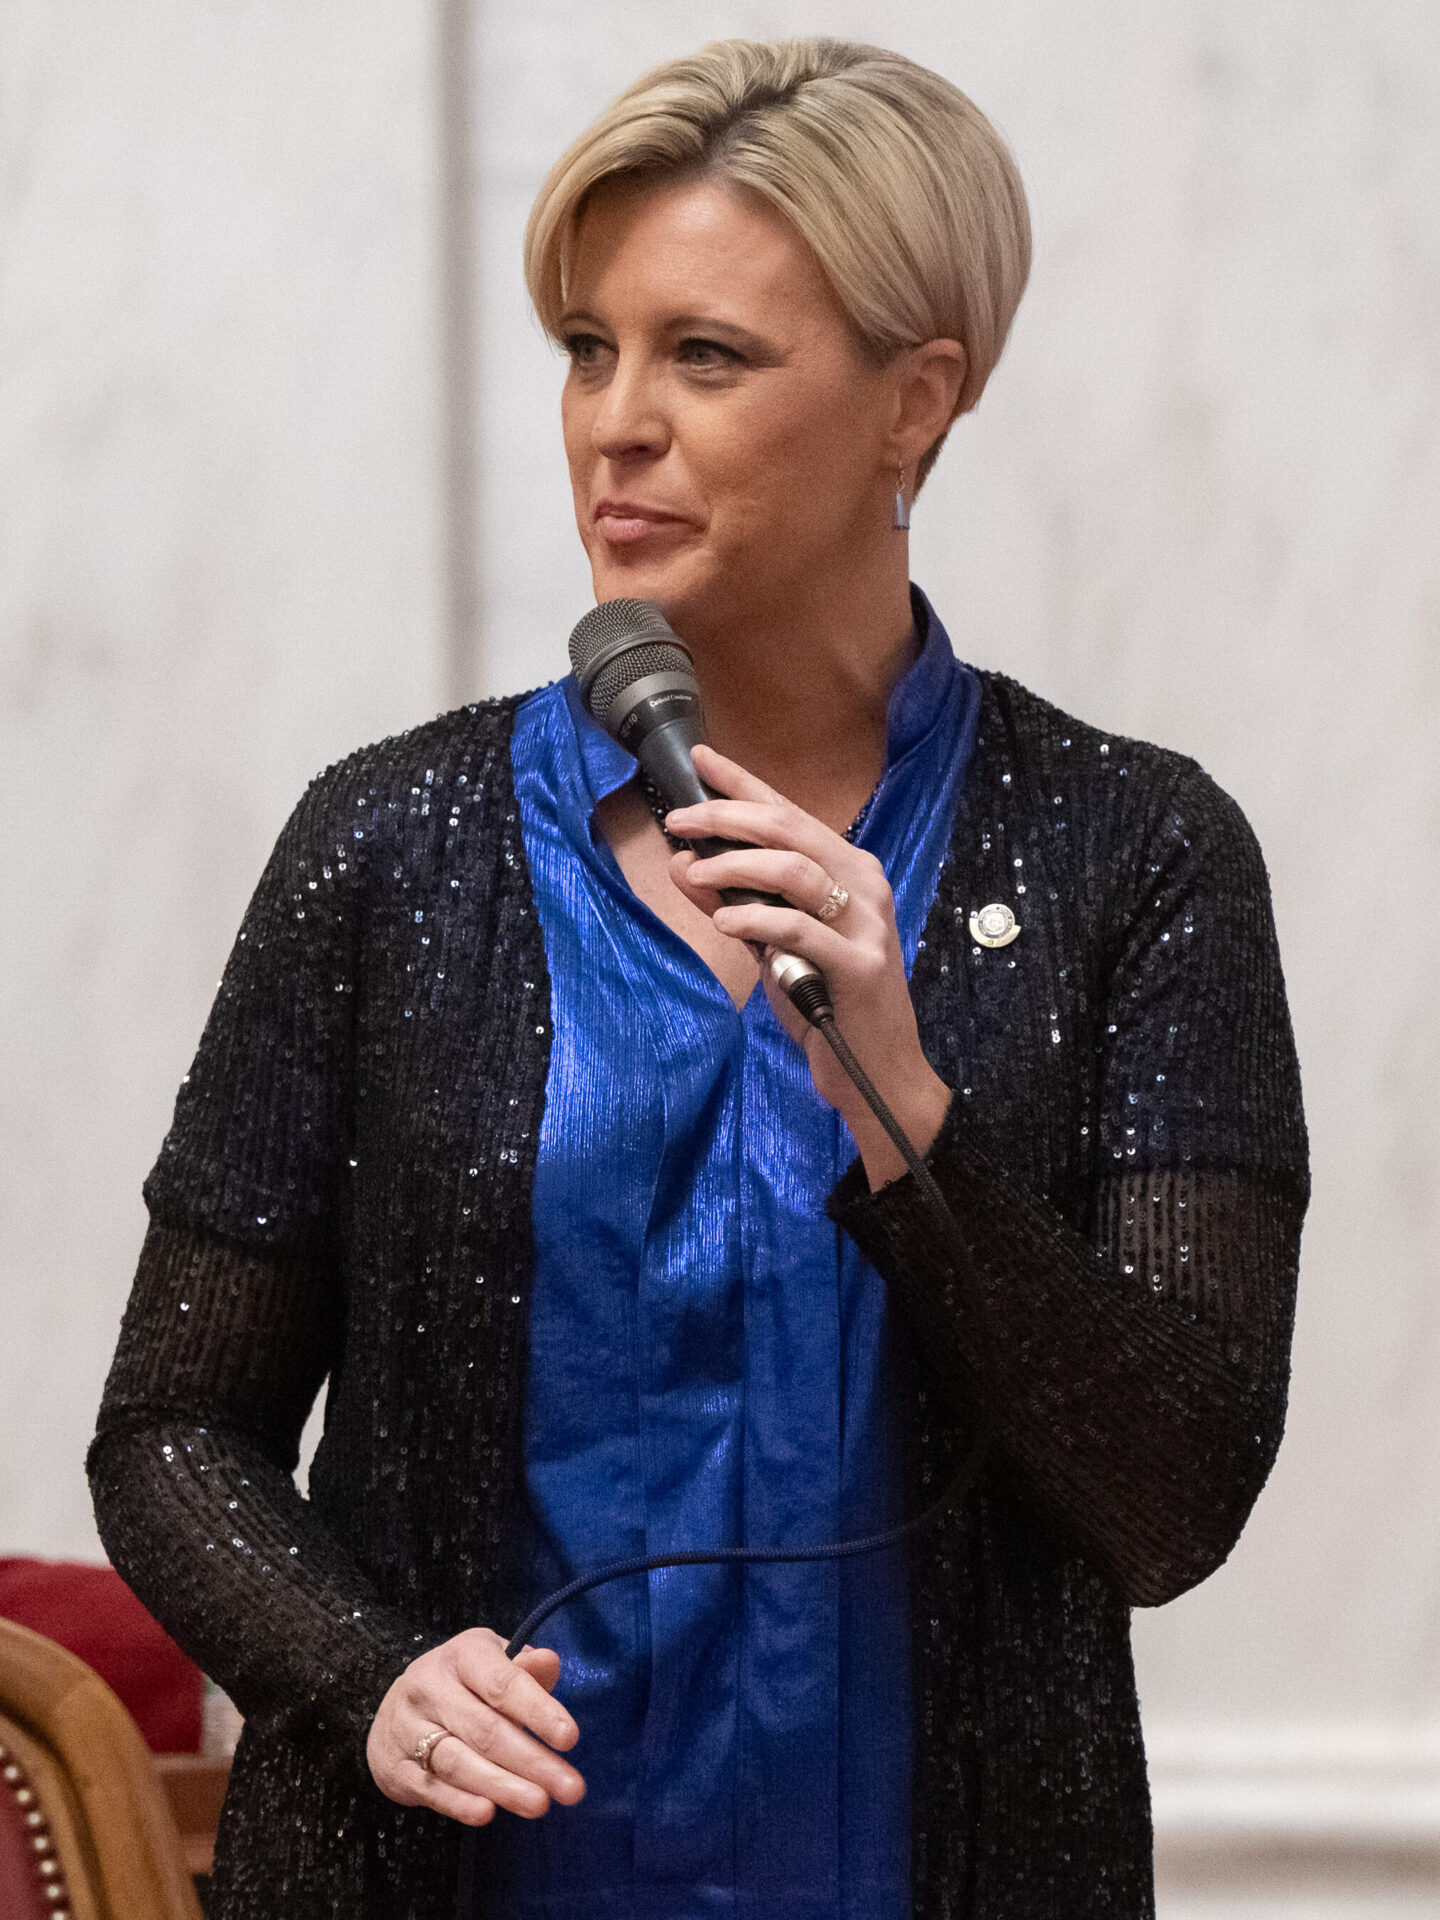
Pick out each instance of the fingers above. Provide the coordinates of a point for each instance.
(501, 1729)
(837, 957)
(753, 812)
(770, 823)
(399, 1776)
(510, 1689)
(469, 1809)
(795, 876)
(542, 1664)
(502, 1753)
(506, 1778)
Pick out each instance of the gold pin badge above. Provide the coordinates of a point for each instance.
(994, 926)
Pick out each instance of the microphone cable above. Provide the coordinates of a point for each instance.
(811, 999)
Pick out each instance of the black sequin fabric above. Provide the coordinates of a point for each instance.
(345, 1196)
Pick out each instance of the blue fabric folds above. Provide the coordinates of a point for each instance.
(708, 1366)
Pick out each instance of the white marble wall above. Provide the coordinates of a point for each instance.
(1199, 502)
(219, 568)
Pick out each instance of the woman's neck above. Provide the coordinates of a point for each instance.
(799, 697)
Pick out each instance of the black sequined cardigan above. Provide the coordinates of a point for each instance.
(345, 1196)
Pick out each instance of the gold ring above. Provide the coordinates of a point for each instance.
(425, 1747)
(834, 903)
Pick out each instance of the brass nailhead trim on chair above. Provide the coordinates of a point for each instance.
(48, 1869)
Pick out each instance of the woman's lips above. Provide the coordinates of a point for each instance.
(623, 522)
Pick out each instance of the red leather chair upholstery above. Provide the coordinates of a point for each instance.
(85, 1827)
(91, 1611)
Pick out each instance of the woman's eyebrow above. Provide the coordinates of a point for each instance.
(754, 344)
(580, 316)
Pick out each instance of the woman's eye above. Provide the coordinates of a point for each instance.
(708, 354)
(585, 350)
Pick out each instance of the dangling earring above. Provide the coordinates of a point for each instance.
(901, 522)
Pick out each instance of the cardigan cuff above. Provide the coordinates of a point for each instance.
(950, 1306)
(891, 1225)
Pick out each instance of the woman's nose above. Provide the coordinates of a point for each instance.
(630, 419)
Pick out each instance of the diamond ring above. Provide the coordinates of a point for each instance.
(834, 903)
(425, 1747)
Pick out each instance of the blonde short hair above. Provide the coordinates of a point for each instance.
(908, 197)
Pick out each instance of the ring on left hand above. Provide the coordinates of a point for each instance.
(834, 903)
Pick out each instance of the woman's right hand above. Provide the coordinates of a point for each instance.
(505, 1732)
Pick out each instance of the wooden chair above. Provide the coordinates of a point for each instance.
(86, 1830)
(195, 1786)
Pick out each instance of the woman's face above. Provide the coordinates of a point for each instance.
(727, 438)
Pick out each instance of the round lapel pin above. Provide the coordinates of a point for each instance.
(994, 926)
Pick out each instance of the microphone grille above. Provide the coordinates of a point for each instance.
(634, 663)
(621, 641)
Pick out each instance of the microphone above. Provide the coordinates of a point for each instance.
(638, 680)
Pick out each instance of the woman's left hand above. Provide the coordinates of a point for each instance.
(858, 951)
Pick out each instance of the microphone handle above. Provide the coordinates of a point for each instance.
(664, 752)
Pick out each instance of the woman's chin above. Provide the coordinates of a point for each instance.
(673, 580)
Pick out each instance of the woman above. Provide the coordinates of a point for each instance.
(490, 1127)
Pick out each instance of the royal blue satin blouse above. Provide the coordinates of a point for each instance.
(708, 1366)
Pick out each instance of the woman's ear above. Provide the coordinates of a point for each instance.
(930, 381)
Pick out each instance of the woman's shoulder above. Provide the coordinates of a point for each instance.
(1133, 810)
(411, 784)
(1028, 727)
(403, 808)
(1049, 758)
(456, 747)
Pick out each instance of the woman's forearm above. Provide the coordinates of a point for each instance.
(1144, 1424)
(220, 1357)
(238, 1568)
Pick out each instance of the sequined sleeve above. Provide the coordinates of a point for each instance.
(234, 1320)
(1136, 1372)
